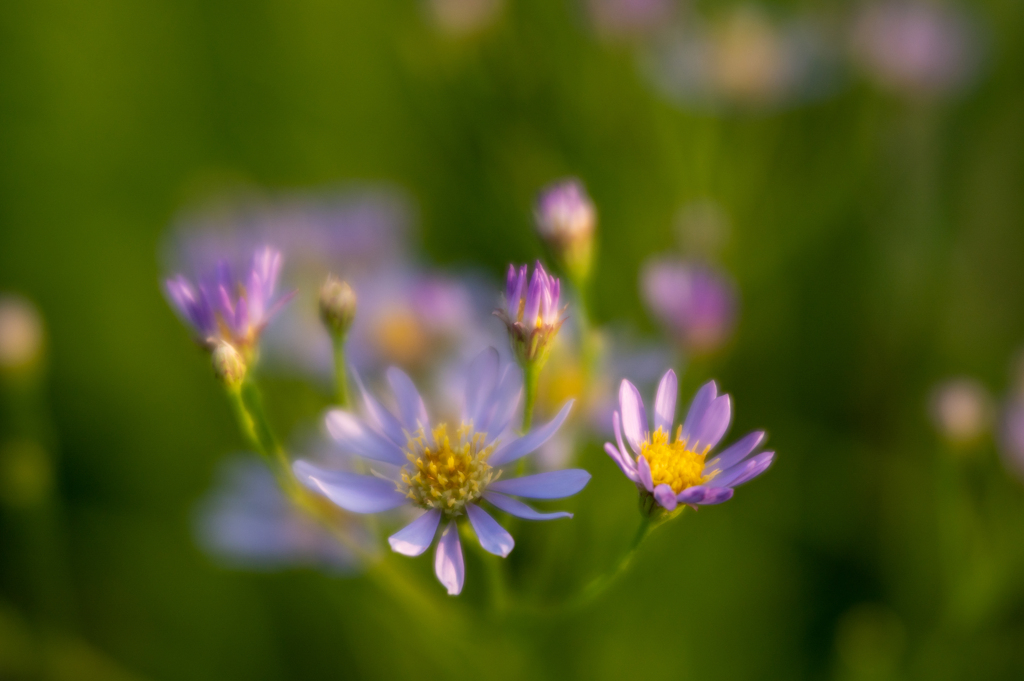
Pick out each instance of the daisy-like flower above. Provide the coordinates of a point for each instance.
(672, 472)
(447, 473)
(695, 302)
(566, 219)
(532, 313)
(223, 308)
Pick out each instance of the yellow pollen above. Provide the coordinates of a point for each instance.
(447, 474)
(674, 464)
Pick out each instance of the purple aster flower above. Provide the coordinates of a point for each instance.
(672, 472)
(566, 219)
(695, 302)
(532, 313)
(247, 521)
(224, 308)
(445, 473)
(916, 47)
(1012, 437)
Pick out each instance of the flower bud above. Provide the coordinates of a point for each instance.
(532, 313)
(566, 220)
(21, 333)
(228, 364)
(337, 305)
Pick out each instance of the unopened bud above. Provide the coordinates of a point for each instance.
(21, 333)
(566, 219)
(337, 305)
(228, 364)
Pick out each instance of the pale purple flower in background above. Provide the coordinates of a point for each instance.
(696, 303)
(960, 410)
(461, 18)
(223, 307)
(21, 332)
(626, 18)
(447, 473)
(533, 313)
(742, 59)
(246, 521)
(566, 219)
(674, 472)
(915, 47)
(1011, 438)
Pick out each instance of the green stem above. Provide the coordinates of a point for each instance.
(602, 583)
(341, 372)
(247, 404)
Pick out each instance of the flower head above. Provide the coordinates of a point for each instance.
(445, 471)
(696, 303)
(566, 219)
(337, 305)
(676, 470)
(532, 313)
(961, 410)
(21, 333)
(234, 310)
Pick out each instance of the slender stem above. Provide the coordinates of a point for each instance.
(341, 372)
(531, 372)
(601, 584)
(248, 407)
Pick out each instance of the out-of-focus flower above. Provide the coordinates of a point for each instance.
(446, 473)
(672, 472)
(337, 305)
(1012, 436)
(532, 312)
(915, 47)
(961, 410)
(223, 308)
(696, 303)
(626, 18)
(21, 333)
(228, 365)
(742, 59)
(566, 219)
(463, 17)
(247, 521)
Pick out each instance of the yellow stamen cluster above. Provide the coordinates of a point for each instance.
(674, 464)
(447, 475)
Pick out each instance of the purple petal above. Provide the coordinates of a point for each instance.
(665, 402)
(501, 405)
(745, 471)
(735, 453)
(551, 485)
(664, 495)
(522, 446)
(617, 427)
(382, 418)
(629, 469)
(521, 510)
(354, 437)
(705, 396)
(493, 537)
(533, 298)
(415, 538)
(701, 494)
(411, 411)
(481, 379)
(351, 491)
(634, 418)
(448, 563)
(714, 424)
(643, 471)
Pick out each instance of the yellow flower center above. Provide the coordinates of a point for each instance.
(447, 475)
(674, 464)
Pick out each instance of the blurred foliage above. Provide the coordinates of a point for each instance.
(876, 241)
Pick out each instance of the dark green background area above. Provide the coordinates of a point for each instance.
(877, 243)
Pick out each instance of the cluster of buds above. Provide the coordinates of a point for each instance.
(532, 313)
(566, 220)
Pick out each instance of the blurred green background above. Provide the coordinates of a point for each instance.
(876, 240)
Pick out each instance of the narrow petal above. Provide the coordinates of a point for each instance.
(629, 469)
(481, 379)
(522, 446)
(521, 510)
(415, 538)
(714, 424)
(493, 537)
(745, 471)
(381, 417)
(735, 453)
(716, 495)
(355, 437)
(448, 563)
(351, 491)
(551, 485)
(634, 418)
(665, 402)
(704, 397)
(664, 495)
(617, 426)
(702, 494)
(501, 404)
(643, 470)
(411, 411)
